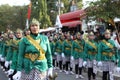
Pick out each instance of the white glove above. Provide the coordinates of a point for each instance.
(10, 62)
(6, 64)
(2, 59)
(111, 76)
(72, 58)
(94, 62)
(99, 63)
(117, 60)
(84, 63)
(50, 72)
(63, 55)
(17, 76)
(0, 56)
(10, 71)
(118, 69)
(55, 53)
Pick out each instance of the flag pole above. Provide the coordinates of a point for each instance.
(28, 15)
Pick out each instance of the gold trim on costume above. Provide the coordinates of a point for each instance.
(108, 44)
(92, 44)
(38, 47)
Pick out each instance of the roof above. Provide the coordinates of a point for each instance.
(71, 19)
(72, 24)
(71, 16)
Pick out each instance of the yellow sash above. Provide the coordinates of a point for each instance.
(16, 42)
(108, 44)
(60, 42)
(69, 43)
(38, 47)
(92, 44)
(79, 44)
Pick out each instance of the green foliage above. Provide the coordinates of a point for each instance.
(79, 4)
(39, 11)
(14, 16)
(104, 9)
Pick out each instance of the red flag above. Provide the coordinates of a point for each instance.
(29, 11)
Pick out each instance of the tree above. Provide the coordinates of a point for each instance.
(14, 16)
(104, 9)
(40, 12)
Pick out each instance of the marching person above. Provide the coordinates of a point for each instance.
(34, 58)
(77, 56)
(26, 32)
(108, 55)
(11, 37)
(52, 46)
(91, 50)
(55, 55)
(58, 49)
(66, 49)
(117, 43)
(7, 37)
(12, 55)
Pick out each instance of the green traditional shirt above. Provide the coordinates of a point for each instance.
(91, 50)
(10, 51)
(52, 46)
(6, 45)
(58, 46)
(14, 54)
(25, 47)
(107, 50)
(77, 49)
(1, 46)
(66, 49)
(119, 58)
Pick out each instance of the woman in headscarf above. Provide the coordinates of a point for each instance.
(35, 58)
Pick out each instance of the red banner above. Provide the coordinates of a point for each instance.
(29, 11)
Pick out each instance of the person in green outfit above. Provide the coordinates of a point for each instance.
(108, 55)
(117, 43)
(90, 56)
(7, 41)
(58, 50)
(26, 32)
(52, 46)
(12, 55)
(11, 37)
(55, 55)
(34, 56)
(66, 53)
(77, 52)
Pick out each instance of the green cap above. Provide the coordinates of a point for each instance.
(91, 33)
(78, 33)
(107, 31)
(34, 21)
(19, 30)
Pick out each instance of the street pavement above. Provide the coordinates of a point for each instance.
(61, 76)
(2, 75)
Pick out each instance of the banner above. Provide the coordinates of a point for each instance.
(28, 15)
(29, 11)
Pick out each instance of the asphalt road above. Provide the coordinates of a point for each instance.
(61, 76)
(2, 75)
